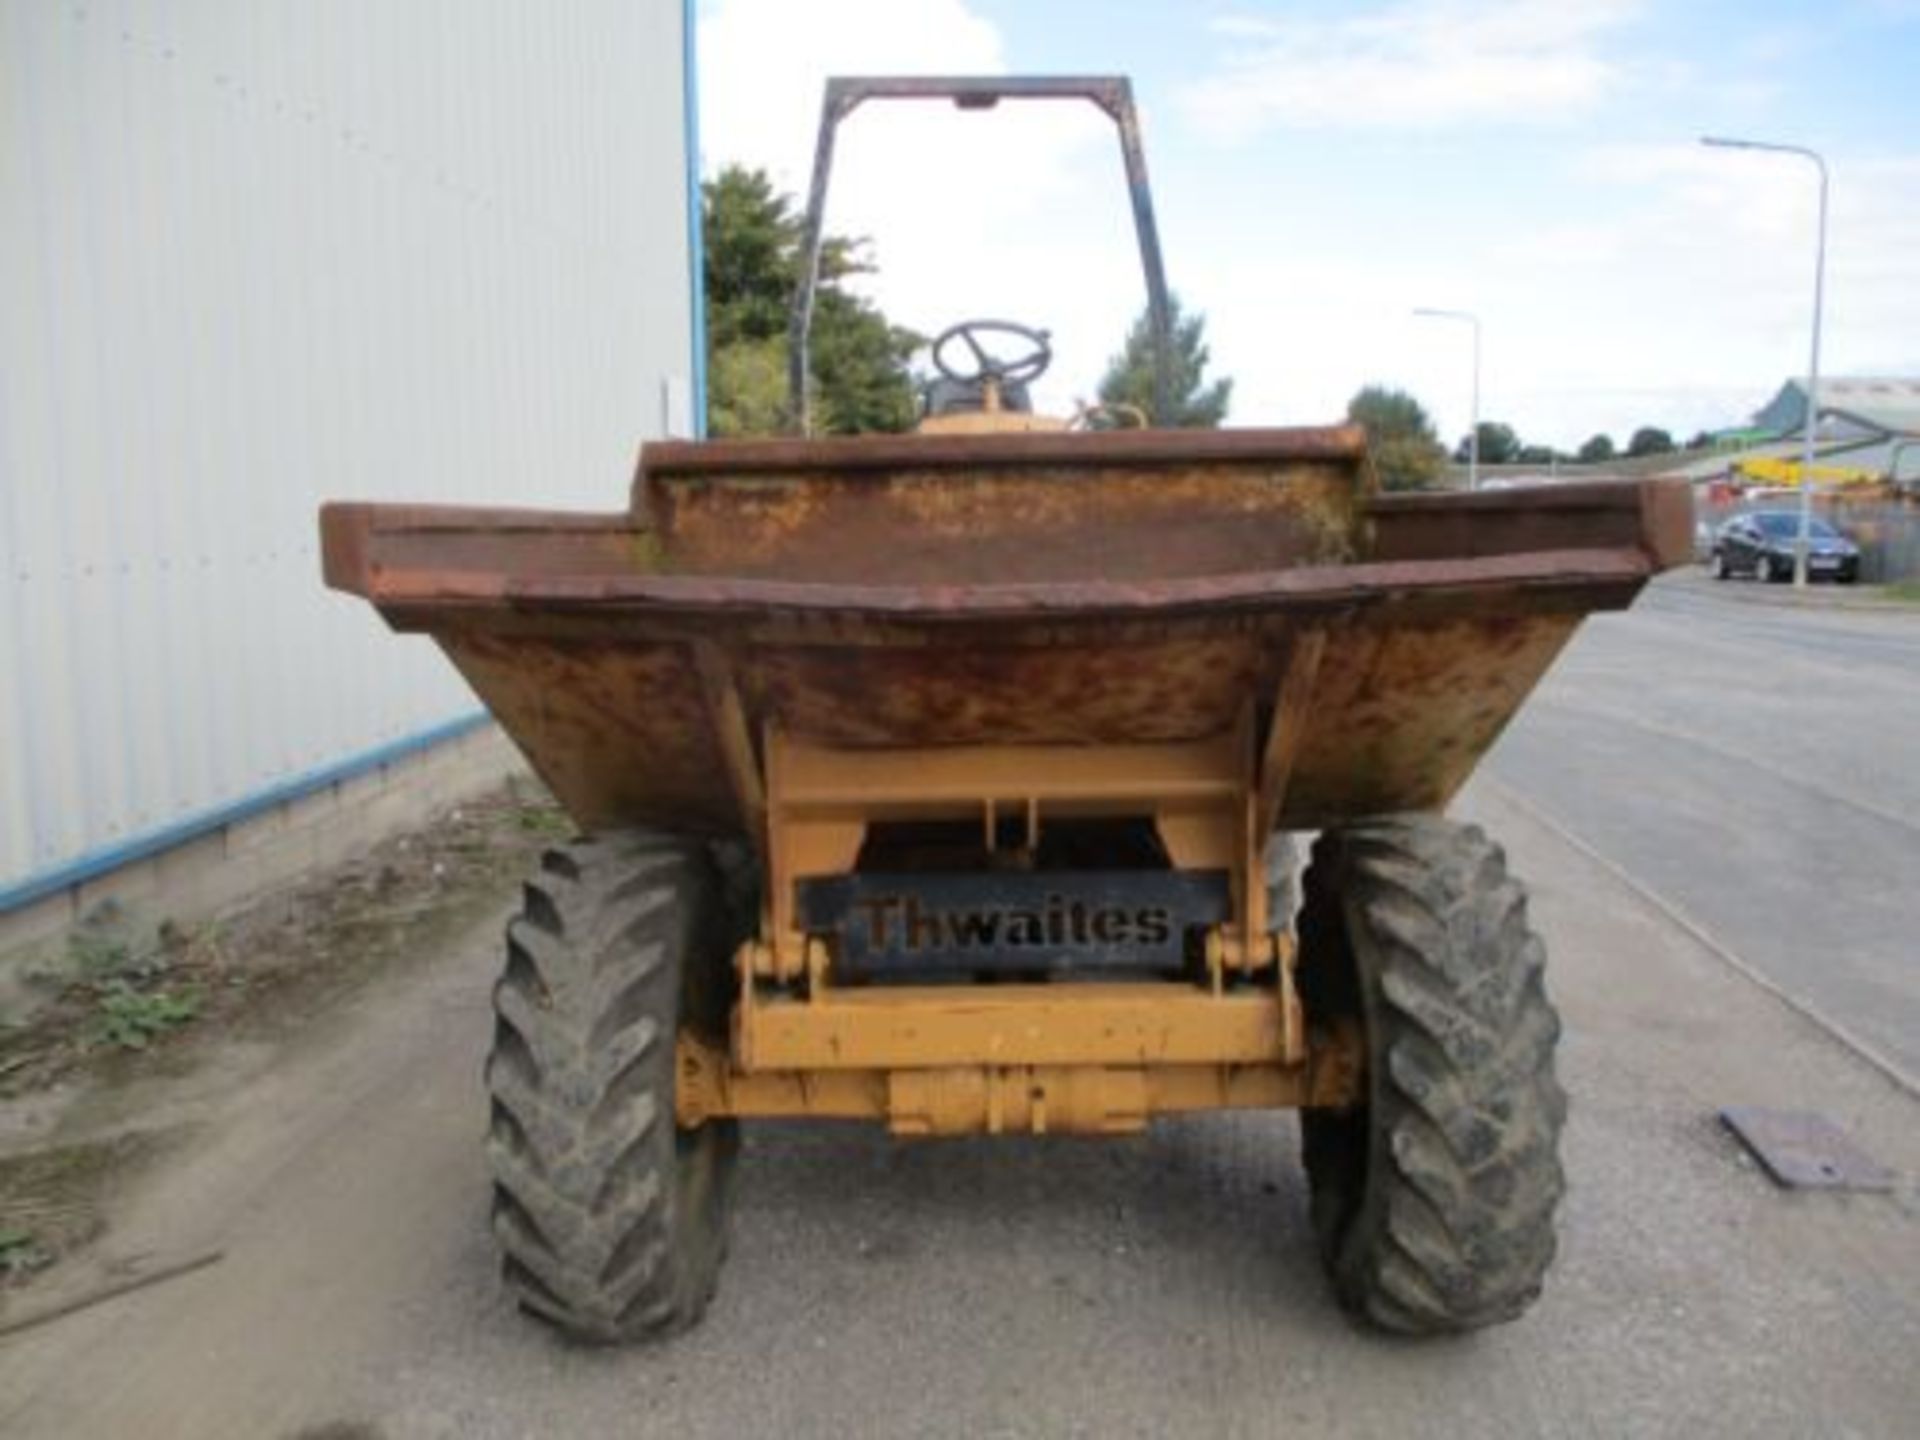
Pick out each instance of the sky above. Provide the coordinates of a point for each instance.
(1322, 169)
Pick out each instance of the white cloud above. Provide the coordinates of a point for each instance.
(763, 64)
(1669, 285)
(1676, 292)
(1411, 63)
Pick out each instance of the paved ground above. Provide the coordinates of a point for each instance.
(1757, 765)
(1163, 1286)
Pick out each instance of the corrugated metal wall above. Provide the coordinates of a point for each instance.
(257, 255)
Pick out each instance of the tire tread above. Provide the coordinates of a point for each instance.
(1434, 1200)
(597, 1234)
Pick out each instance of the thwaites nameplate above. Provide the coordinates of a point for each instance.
(1020, 921)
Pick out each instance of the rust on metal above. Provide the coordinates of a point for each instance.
(665, 459)
(1215, 633)
(968, 590)
(1286, 727)
(618, 732)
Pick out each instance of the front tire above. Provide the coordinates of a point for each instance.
(611, 1220)
(1433, 1198)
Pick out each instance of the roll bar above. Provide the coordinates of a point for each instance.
(1112, 93)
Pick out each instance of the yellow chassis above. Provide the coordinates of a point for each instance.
(1069, 1057)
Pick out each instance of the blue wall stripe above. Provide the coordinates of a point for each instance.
(95, 863)
(696, 239)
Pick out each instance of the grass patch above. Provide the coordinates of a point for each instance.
(123, 996)
(21, 1251)
(547, 820)
(52, 1202)
(1907, 591)
(130, 1019)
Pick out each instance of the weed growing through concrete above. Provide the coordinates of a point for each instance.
(545, 820)
(130, 1018)
(20, 1251)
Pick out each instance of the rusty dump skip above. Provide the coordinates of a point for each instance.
(1036, 588)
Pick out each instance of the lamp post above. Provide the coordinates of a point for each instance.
(1812, 420)
(1473, 434)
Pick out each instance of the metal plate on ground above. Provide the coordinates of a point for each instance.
(1803, 1150)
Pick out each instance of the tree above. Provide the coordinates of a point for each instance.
(1596, 451)
(1702, 440)
(857, 358)
(1537, 455)
(1406, 451)
(1499, 445)
(1192, 403)
(1650, 440)
(747, 390)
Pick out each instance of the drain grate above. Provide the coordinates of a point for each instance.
(1805, 1151)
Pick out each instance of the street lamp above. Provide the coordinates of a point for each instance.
(1805, 543)
(1473, 434)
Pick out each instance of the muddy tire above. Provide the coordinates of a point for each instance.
(611, 1221)
(1433, 1199)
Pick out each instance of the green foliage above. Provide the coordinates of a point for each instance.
(751, 241)
(1192, 402)
(1702, 440)
(747, 388)
(95, 955)
(21, 1251)
(1406, 451)
(1499, 444)
(130, 1018)
(858, 359)
(1597, 450)
(1537, 455)
(544, 820)
(1650, 440)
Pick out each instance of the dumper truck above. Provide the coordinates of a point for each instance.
(955, 781)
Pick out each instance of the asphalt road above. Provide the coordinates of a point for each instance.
(1756, 765)
(1158, 1286)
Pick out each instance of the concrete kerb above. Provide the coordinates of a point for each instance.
(1889, 1068)
(1787, 597)
(206, 875)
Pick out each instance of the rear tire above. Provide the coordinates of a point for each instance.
(1717, 566)
(611, 1220)
(1432, 1198)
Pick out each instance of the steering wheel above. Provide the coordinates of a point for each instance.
(1028, 366)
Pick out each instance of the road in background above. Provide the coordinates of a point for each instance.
(1756, 764)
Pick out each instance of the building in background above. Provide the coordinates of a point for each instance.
(1867, 426)
(1853, 408)
(259, 256)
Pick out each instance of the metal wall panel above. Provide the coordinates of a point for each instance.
(257, 255)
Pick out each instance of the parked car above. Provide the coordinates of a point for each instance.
(1761, 543)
